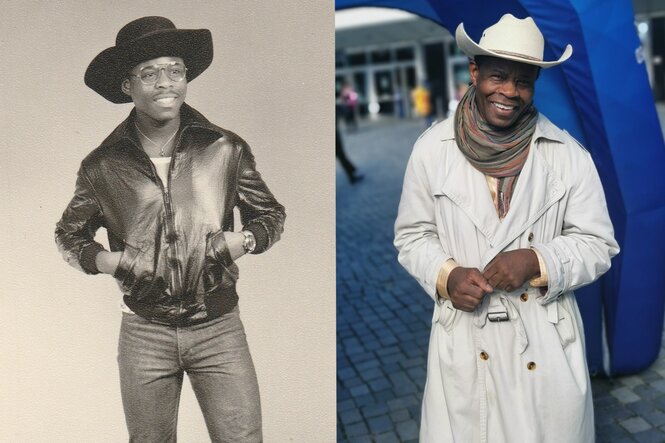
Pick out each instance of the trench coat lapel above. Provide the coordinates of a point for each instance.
(538, 188)
(461, 184)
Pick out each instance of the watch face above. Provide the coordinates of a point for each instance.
(250, 242)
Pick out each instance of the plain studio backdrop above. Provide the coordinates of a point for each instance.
(270, 82)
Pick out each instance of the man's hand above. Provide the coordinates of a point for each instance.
(467, 287)
(107, 262)
(509, 270)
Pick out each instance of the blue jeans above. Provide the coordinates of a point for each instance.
(153, 359)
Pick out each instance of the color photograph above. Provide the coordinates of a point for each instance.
(168, 222)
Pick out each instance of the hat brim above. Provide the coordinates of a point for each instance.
(472, 49)
(111, 66)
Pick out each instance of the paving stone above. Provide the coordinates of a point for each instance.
(371, 374)
(414, 410)
(602, 418)
(625, 395)
(380, 424)
(647, 392)
(364, 400)
(408, 430)
(650, 436)
(632, 381)
(612, 431)
(660, 402)
(618, 412)
(655, 418)
(379, 384)
(641, 407)
(650, 375)
(387, 437)
(356, 430)
(384, 396)
(400, 415)
(350, 416)
(635, 424)
(374, 410)
(606, 401)
(345, 404)
(658, 385)
(346, 373)
(617, 439)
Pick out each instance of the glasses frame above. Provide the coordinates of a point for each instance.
(160, 67)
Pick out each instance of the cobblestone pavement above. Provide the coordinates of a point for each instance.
(383, 316)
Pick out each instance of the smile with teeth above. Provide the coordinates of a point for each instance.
(503, 107)
(165, 100)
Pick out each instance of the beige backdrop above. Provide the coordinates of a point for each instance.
(270, 82)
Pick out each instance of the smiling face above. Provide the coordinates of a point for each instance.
(504, 89)
(160, 101)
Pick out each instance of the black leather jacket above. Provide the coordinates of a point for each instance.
(175, 266)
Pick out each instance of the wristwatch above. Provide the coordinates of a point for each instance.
(249, 243)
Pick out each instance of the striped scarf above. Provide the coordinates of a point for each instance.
(498, 153)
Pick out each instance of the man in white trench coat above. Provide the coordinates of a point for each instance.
(502, 217)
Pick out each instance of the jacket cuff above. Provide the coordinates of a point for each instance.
(87, 258)
(541, 280)
(260, 235)
(442, 278)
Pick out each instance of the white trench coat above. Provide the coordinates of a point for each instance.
(526, 379)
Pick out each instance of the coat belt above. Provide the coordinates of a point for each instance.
(499, 307)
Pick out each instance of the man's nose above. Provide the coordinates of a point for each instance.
(509, 88)
(163, 80)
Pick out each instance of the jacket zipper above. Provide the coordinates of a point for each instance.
(172, 255)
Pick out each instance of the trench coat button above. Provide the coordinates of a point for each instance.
(531, 236)
(531, 366)
(484, 356)
(524, 296)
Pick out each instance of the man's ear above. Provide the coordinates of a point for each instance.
(473, 71)
(125, 86)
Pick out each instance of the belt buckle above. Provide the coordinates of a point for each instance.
(497, 316)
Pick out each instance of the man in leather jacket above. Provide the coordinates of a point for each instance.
(164, 184)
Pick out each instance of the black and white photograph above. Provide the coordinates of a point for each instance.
(168, 222)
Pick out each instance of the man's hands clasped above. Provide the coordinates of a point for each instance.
(507, 271)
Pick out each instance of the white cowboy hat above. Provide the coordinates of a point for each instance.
(511, 38)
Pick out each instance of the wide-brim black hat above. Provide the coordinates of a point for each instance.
(144, 39)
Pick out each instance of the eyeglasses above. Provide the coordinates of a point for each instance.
(175, 71)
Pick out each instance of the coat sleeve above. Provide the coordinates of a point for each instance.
(260, 212)
(582, 252)
(75, 232)
(421, 250)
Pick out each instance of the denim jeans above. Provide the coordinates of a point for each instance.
(153, 359)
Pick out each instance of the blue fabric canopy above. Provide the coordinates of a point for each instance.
(602, 97)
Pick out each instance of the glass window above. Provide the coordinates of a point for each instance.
(381, 56)
(357, 59)
(404, 54)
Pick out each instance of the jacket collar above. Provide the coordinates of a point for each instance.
(189, 118)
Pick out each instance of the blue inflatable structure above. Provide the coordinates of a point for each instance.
(602, 97)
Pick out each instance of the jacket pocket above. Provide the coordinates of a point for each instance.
(446, 315)
(220, 272)
(133, 269)
(564, 326)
